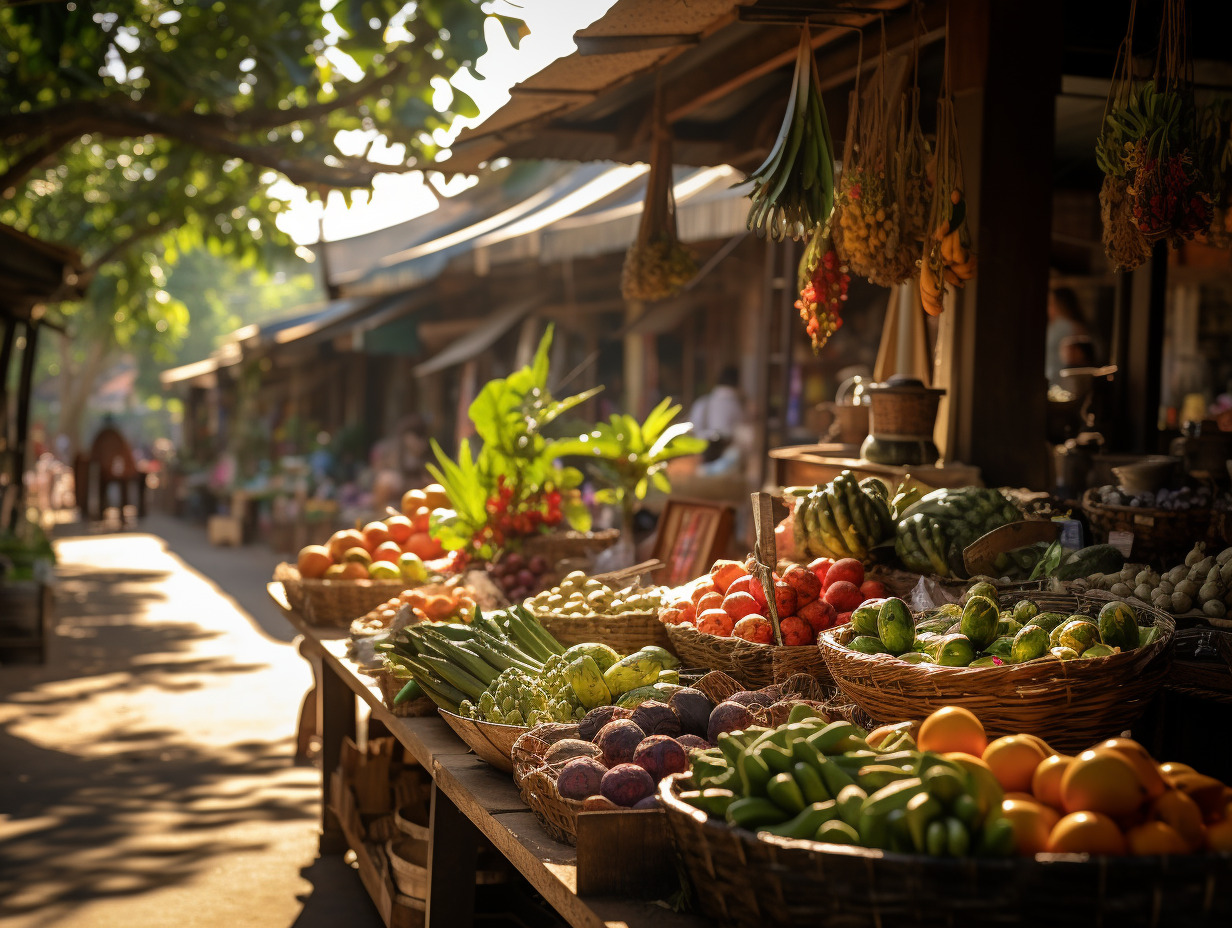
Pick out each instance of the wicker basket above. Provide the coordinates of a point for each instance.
(491, 742)
(755, 665)
(335, 603)
(1070, 704)
(555, 547)
(391, 685)
(744, 881)
(623, 633)
(537, 784)
(1161, 536)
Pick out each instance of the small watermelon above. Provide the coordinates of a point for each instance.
(867, 644)
(1030, 643)
(983, 588)
(926, 642)
(895, 627)
(988, 660)
(1001, 648)
(1147, 634)
(951, 611)
(1099, 650)
(935, 624)
(1078, 634)
(979, 621)
(1008, 626)
(1048, 621)
(1063, 653)
(915, 657)
(955, 651)
(864, 617)
(1025, 611)
(1118, 626)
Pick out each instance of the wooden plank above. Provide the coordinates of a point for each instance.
(639, 840)
(981, 553)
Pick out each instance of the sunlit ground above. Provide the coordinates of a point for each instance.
(146, 774)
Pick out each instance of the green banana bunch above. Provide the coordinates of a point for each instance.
(842, 518)
(793, 189)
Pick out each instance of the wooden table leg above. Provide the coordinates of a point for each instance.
(452, 851)
(337, 719)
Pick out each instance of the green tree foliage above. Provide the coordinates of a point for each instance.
(120, 120)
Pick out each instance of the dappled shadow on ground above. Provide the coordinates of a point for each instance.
(135, 820)
(135, 764)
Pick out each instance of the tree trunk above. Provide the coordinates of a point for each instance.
(77, 383)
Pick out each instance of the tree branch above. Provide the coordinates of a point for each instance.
(124, 121)
(42, 149)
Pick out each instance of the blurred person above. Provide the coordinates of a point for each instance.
(715, 415)
(1064, 321)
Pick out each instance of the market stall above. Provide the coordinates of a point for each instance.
(921, 695)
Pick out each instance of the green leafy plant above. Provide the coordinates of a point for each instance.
(512, 486)
(631, 457)
(21, 551)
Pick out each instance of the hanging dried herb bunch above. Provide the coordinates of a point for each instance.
(1215, 133)
(948, 259)
(1150, 150)
(823, 281)
(867, 230)
(793, 190)
(912, 185)
(656, 265)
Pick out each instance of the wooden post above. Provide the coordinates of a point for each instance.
(336, 712)
(16, 492)
(453, 848)
(1005, 65)
(1142, 368)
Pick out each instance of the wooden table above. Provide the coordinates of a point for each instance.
(468, 797)
(807, 465)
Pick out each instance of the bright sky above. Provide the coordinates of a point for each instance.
(398, 197)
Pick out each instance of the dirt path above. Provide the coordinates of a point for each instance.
(146, 773)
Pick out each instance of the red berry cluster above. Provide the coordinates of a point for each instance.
(1167, 196)
(822, 298)
(512, 514)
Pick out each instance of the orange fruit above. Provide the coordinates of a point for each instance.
(387, 551)
(313, 561)
(1219, 836)
(1142, 762)
(375, 534)
(1206, 791)
(357, 555)
(336, 572)
(1086, 833)
(1046, 780)
(399, 528)
(1102, 781)
(435, 496)
(412, 500)
(1033, 823)
(952, 728)
(1183, 814)
(705, 586)
(986, 789)
(1025, 797)
(1172, 768)
(421, 519)
(339, 542)
(1155, 838)
(1047, 748)
(354, 570)
(1013, 760)
(715, 622)
(420, 544)
(708, 601)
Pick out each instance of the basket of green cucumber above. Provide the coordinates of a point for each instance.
(1070, 668)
